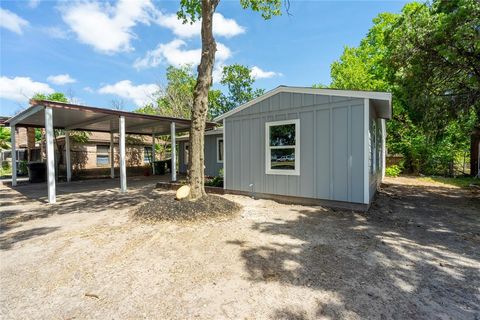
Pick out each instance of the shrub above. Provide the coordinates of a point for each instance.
(393, 171)
(215, 182)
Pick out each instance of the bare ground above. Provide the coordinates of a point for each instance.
(415, 255)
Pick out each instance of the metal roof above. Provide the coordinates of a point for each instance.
(86, 118)
(382, 100)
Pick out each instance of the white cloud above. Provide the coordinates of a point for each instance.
(258, 73)
(33, 3)
(139, 94)
(61, 79)
(11, 21)
(56, 32)
(222, 26)
(88, 89)
(174, 53)
(21, 89)
(105, 27)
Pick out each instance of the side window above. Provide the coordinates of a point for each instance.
(147, 155)
(220, 150)
(103, 155)
(282, 147)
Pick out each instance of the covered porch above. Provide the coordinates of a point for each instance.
(53, 115)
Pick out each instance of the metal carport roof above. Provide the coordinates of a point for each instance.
(57, 115)
(85, 118)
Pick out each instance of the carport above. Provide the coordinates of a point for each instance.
(56, 115)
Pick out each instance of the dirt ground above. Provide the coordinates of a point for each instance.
(414, 255)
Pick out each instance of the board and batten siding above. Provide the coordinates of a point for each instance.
(331, 147)
(212, 167)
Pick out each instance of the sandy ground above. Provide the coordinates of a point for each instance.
(414, 255)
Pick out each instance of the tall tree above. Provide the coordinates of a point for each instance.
(427, 56)
(239, 81)
(175, 98)
(190, 11)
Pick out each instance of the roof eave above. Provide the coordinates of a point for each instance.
(387, 96)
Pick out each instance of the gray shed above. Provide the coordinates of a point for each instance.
(213, 152)
(307, 144)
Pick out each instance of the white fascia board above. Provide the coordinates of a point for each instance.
(207, 133)
(24, 114)
(387, 96)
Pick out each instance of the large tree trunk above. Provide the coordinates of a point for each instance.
(196, 156)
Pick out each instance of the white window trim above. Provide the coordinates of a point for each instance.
(185, 155)
(218, 153)
(268, 170)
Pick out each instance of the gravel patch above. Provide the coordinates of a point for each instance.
(166, 208)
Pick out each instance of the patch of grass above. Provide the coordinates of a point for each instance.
(461, 182)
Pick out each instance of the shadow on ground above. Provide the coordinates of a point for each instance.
(415, 254)
(28, 201)
(6, 242)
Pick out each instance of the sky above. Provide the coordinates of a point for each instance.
(100, 52)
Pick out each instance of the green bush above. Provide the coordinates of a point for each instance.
(215, 182)
(393, 171)
(5, 165)
(22, 168)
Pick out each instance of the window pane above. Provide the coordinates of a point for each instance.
(147, 154)
(282, 159)
(102, 160)
(220, 150)
(282, 135)
(103, 149)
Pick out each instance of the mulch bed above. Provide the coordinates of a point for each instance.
(166, 208)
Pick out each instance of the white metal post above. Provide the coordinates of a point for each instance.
(152, 160)
(68, 159)
(112, 157)
(173, 153)
(50, 155)
(123, 168)
(14, 156)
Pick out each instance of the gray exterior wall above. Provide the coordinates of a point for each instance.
(331, 147)
(212, 167)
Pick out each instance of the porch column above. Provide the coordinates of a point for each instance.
(173, 153)
(14, 156)
(67, 155)
(112, 157)
(153, 154)
(123, 167)
(50, 155)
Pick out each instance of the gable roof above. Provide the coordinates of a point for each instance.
(373, 95)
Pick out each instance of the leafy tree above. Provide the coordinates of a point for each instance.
(190, 11)
(4, 138)
(175, 99)
(239, 82)
(427, 56)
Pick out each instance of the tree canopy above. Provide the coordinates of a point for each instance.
(239, 82)
(175, 99)
(428, 57)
